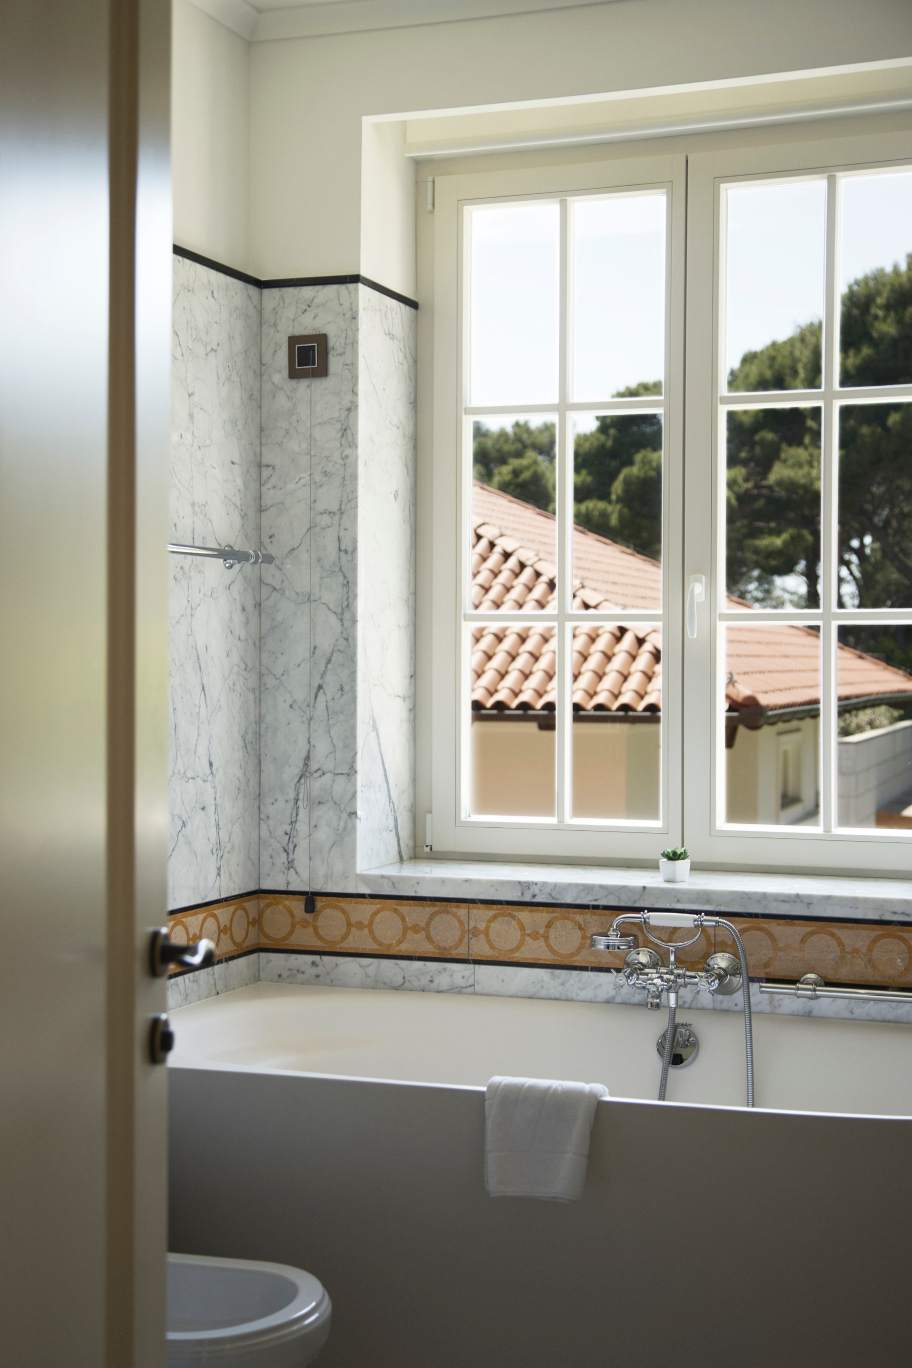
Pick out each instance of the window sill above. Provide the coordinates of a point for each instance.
(768, 895)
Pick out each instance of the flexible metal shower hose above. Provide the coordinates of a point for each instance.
(668, 1053)
(671, 1031)
(748, 1020)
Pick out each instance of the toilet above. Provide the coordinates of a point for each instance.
(235, 1314)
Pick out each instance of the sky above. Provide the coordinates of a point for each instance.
(775, 279)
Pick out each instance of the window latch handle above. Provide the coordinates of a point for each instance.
(696, 594)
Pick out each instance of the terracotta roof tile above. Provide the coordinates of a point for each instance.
(617, 667)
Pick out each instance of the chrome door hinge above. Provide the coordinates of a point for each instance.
(430, 197)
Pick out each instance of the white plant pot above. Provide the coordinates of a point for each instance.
(674, 871)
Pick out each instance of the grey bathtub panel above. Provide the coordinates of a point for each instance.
(706, 1237)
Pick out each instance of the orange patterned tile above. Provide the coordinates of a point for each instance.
(233, 926)
(841, 952)
(553, 935)
(365, 926)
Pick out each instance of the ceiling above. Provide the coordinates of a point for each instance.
(262, 20)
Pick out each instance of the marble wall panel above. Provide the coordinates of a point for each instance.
(387, 365)
(337, 644)
(519, 950)
(308, 643)
(214, 612)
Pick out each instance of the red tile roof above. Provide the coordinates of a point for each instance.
(617, 667)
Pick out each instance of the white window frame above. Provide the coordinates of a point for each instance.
(692, 703)
(708, 837)
(454, 832)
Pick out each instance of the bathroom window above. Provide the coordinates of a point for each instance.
(563, 371)
(618, 664)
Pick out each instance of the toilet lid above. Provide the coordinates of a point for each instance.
(217, 1307)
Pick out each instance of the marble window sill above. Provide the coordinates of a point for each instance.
(770, 895)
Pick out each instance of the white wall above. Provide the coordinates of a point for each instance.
(387, 207)
(210, 118)
(305, 202)
(275, 171)
(875, 769)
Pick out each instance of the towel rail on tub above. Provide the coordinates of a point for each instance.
(812, 986)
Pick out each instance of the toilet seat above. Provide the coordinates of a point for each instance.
(232, 1311)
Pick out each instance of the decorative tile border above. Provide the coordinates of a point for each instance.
(375, 926)
(841, 952)
(554, 936)
(546, 937)
(233, 925)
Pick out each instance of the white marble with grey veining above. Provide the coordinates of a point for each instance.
(337, 645)
(499, 980)
(772, 895)
(387, 362)
(347, 971)
(213, 612)
(567, 985)
(224, 977)
(308, 644)
(843, 1009)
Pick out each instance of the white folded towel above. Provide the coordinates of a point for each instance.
(537, 1137)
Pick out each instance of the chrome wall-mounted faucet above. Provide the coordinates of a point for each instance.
(643, 968)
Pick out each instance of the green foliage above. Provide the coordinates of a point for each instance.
(675, 853)
(868, 719)
(617, 472)
(773, 467)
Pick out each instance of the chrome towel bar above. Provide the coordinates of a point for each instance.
(228, 555)
(812, 986)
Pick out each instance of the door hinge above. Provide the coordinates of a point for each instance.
(428, 833)
(430, 194)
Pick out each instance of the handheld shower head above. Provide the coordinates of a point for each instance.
(614, 940)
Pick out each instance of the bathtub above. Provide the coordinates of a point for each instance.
(341, 1130)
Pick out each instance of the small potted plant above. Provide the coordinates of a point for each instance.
(674, 864)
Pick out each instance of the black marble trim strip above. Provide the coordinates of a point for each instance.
(215, 902)
(516, 902)
(219, 266)
(445, 959)
(363, 955)
(292, 281)
(289, 282)
(581, 907)
(220, 959)
(431, 959)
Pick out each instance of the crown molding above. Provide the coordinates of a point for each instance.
(327, 17)
(236, 15)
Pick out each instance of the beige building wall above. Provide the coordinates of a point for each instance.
(615, 769)
(773, 774)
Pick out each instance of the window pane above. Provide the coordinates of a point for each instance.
(617, 511)
(618, 303)
(773, 507)
(875, 277)
(514, 252)
(772, 725)
(775, 245)
(617, 734)
(514, 541)
(512, 729)
(875, 506)
(874, 690)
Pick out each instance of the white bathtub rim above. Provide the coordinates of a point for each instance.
(205, 1066)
